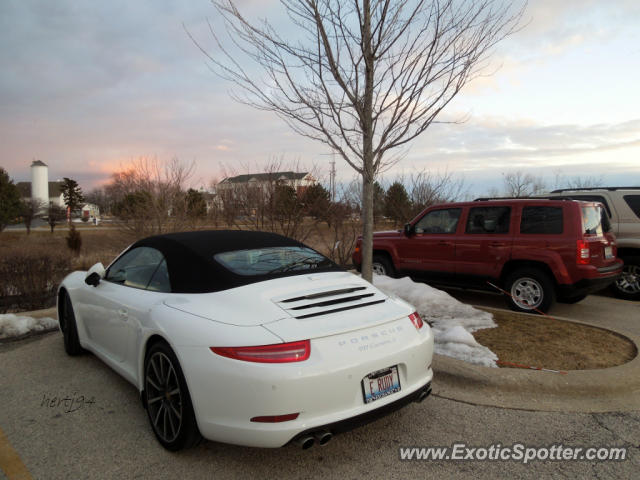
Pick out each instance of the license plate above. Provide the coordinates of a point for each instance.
(381, 383)
(608, 252)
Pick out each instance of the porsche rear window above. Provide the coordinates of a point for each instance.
(272, 260)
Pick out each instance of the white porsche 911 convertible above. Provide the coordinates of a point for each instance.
(247, 338)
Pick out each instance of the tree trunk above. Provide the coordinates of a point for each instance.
(367, 225)
(366, 119)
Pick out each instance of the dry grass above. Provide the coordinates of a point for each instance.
(31, 266)
(554, 344)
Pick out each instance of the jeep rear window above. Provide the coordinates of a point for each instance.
(634, 203)
(593, 198)
(488, 220)
(591, 220)
(541, 220)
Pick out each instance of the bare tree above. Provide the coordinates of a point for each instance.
(584, 182)
(365, 77)
(149, 196)
(268, 204)
(520, 184)
(55, 215)
(29, 210)
(426, 189)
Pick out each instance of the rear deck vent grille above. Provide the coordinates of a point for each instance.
(315, 303)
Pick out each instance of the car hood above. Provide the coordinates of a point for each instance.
(297, 306)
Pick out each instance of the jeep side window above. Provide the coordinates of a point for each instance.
(541, 220)
(634, 203)
(488, 220)
(439, 221)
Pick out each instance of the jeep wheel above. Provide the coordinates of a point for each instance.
(383, 266)
(628, 285)
(530, 290)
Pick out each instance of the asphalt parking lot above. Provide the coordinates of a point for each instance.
(102, 432)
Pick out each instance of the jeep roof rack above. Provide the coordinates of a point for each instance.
(586, 189)
(485, 199)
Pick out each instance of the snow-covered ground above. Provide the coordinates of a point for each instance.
(15, 325)
(452, 321)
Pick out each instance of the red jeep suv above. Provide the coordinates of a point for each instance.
(537, 250)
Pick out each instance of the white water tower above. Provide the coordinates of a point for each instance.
(40, 182)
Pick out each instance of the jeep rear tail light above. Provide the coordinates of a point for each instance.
(583, 254)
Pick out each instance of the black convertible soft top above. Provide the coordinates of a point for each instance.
(191, 264)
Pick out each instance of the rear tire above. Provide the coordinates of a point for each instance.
(382, 265)
(167, 400)
(628, 285)
(531, 289)
(69, 328)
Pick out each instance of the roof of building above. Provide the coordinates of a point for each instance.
(38, 163)
(266, 177)
(55, 189)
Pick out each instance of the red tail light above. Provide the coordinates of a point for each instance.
(583, 254)
(277, 353)
(275, 418)
(416, 320)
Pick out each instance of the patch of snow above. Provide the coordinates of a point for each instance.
(15, 325)
(452, 322)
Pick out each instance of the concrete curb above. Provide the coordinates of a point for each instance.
(606, 390)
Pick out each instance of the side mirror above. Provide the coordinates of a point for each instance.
(94, 275)
(408, 229)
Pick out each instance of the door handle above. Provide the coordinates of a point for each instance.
(443, 242)
(497, 244)
(123, 314)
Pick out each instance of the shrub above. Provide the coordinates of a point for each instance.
(74, 240)
(29, 277)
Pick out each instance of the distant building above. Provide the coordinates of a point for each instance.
(298, 180)
(50, 193)
(40, 187)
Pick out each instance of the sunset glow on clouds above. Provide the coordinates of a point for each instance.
(87, 87)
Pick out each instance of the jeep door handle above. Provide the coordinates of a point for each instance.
(123, 314)
(443, 242)
(498, 244)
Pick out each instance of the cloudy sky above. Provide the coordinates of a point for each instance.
(88, 86)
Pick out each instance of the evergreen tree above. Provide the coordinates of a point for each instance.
(397, 205)
(316, 200)
(9, 200)
(72, 193)
(196, 204)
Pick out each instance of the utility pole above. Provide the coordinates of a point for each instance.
(332, 178)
